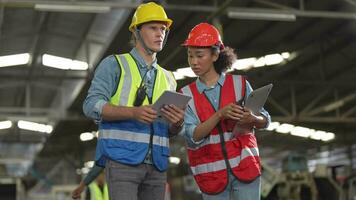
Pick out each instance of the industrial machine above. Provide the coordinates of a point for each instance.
(295, 182)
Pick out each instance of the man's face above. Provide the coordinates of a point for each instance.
(153, 34)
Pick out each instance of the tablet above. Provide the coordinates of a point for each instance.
(257, 98)
(170, 97)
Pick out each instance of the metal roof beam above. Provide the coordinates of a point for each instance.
(191, 8)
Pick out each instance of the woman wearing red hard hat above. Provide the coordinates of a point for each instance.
(225, 165)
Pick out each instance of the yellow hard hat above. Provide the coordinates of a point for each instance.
(149, 12)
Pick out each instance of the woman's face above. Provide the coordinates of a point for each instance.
(201, 60)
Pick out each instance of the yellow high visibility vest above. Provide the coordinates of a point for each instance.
(130, 80)
(96, 193)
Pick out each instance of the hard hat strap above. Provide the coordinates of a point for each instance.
(139, 38)
(165, 38)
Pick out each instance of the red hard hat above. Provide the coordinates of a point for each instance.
(204, 35)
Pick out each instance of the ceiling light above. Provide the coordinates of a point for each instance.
(261, 15)
(272, 126)
(184, 72)
(89, 164)
(285, 55)
(15, 59)
(63, 63)
(72, 8)
(284, 128)
(5, 124)
(33, 126)
(174, 160)
(267, 60)
(300, 131)
(244, 64)
(86, 136)
(328, 136)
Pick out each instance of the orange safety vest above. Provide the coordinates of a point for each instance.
(222, 150)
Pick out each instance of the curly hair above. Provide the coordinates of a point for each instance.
(226, 58)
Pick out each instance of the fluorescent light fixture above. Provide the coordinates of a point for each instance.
(174, 160)
(5, 124)
(89, 164)
(72, 8)
(181, 73)
(63, 63)
(261, 15)
(328, 136)
(86, 136)
(301, 131)
(267, 60)
(15, 59)
(243, 64)
(273, 125)
(284, 128)
(85, 170)
(285, 55)
(317, 135)
(33, 126)
(178, 76)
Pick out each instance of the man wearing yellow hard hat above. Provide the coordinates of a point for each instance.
(133, 144)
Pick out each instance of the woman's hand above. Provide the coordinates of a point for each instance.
(231, 111)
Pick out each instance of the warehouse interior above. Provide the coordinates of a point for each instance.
(303, 47)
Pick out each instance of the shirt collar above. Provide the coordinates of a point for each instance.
(202, 87)
(139, 59)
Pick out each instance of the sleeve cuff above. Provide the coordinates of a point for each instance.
(191, 131)
(99, 110)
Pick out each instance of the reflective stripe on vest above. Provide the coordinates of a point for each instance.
(133, 137)
(213, 139)
(219, 165)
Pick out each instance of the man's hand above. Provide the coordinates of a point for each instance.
(77, 191)
(145, 114)
(173, 114)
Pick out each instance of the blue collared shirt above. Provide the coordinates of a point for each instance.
(213, 94)
(106, 79)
